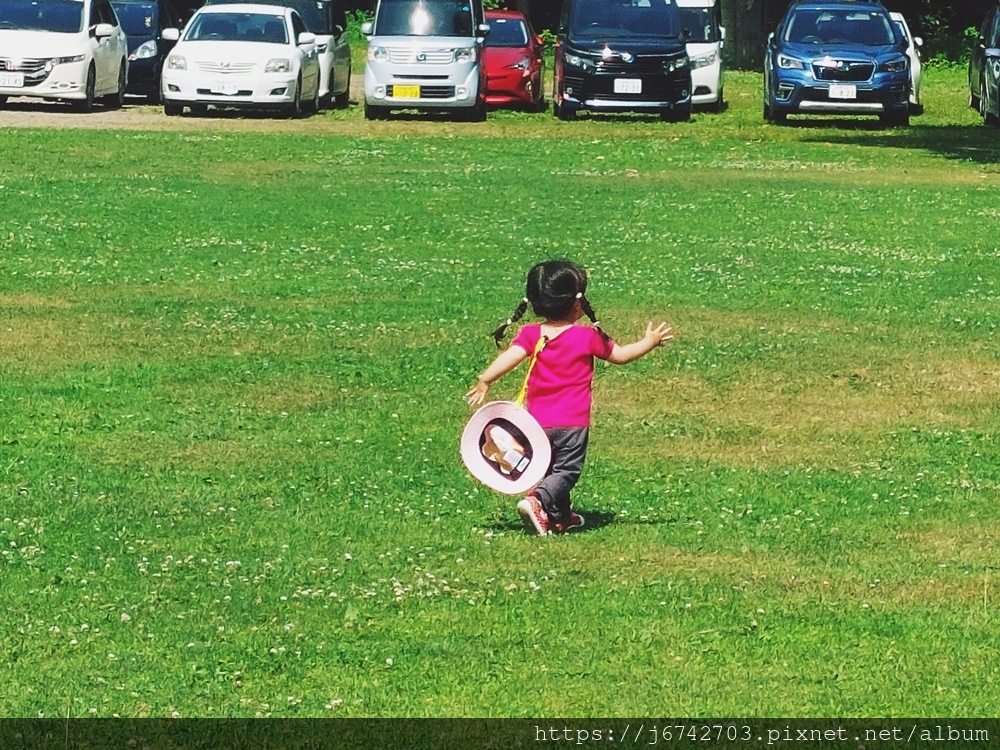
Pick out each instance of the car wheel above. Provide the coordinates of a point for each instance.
(719, 104)
(375, 113)
(295, 110)
(86, 105)
(344, 99)
(116, 100)
(563, 112)
(172, 110)
(986, 106)
(476, 113)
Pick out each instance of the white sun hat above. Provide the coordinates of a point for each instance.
(505, 448)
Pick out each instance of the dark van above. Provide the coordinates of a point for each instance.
(621, 56)
(143, 22)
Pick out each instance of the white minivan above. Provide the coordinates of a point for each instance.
(704, 37)
(426, 55)
(62, 49)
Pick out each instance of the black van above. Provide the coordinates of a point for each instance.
(621, 56)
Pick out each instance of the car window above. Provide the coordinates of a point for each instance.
(238, 27)
(298, 27)
(61, 16)
(868, 28)
(424, 18)
(507, 32)
(701, 24)
(993, 38)
(611, 19)
(137, 19)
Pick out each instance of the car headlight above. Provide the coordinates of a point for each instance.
(465, 54)
(145, 51)
(278, 65)
(378, 54)
(523, 64)
(176, 62)
(681, 63)
(579, 62)
(52, 62)
(895, 66)
(703, 61)
(790, 63)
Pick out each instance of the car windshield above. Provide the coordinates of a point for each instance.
(615, 19)
(137, 19)
(424, 18)
(315, 13)
(868, 28)
(700, 24)
(506, 32)
(237, 27)
(61, 16)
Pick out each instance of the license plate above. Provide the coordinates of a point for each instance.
(628, 86)
(225, 88)
(12, 80)
(843, 91)
(405, 92)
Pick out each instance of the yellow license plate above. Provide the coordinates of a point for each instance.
(405, 92)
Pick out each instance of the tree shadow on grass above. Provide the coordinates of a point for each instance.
(969, 143)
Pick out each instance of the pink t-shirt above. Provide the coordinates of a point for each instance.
(559, 389)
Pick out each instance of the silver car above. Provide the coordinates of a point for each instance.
(426, 55)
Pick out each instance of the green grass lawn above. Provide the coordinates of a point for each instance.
(231, 375)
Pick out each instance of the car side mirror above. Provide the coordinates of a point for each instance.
(722, 33)
(171, 35)
(918, 41)
(539, 41)
(103, 30)
(367, 28)
(306, 37)
(338, 30)
(992, 52)
(483, 30)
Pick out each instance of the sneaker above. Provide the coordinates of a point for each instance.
(575, 522)
(534, 515)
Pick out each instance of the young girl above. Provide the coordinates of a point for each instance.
(559, 389)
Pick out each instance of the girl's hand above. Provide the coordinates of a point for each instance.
(660, 335)
(477, 394)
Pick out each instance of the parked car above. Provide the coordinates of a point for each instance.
(984, 69)
(621, 56)
(913, 45)
(837, 57)
(704, 36)
(327, 19)
(426, 55)
(72, 50)
(512, 56)
(143, 22)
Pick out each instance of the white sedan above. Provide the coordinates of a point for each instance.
(913, 45)
(242, 55)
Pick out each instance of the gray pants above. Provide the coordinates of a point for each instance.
(569, 451)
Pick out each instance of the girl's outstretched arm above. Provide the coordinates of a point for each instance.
(505, 362)
(658, 336)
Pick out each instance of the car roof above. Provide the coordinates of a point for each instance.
(267, 10)
(831, 4)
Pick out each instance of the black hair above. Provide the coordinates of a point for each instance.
(552, 288)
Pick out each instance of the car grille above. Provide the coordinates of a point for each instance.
(209, 92)
(642, 65)
(846, 71)
(33, 69)
(431, 92)
(421, 56)
(226, 69)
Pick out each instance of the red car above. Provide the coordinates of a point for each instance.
(512, 57)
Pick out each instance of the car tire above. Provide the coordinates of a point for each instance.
(476, 113)
(295, 108)
(172, 110)
(989, 117)
(116, 99)
(375, 113)
(86, 105)
(312, 107)
(775, 116)
(563, 112)
(342, 101)
(895, 119)
(719, 104)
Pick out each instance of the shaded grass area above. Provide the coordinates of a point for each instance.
(231, 369)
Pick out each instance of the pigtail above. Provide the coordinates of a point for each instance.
(498, 334)
(589, 312)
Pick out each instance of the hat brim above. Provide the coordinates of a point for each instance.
(519, 450)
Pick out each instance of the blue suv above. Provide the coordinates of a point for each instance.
(837, 58)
